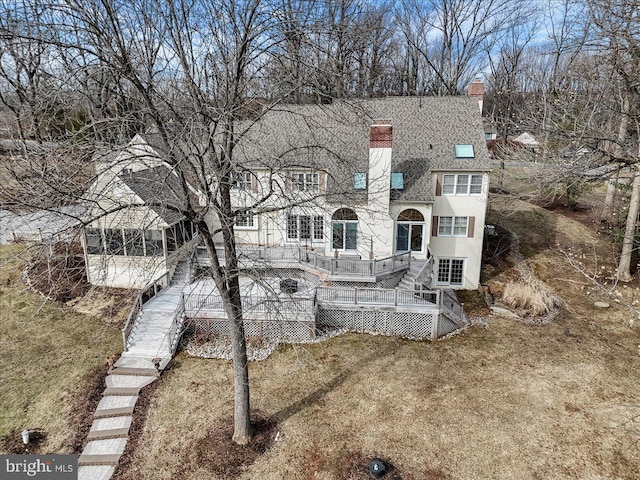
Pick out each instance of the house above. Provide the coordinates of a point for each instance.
(365, 181)
(343, 209)
(527, 141)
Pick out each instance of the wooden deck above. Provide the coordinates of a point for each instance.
(329, 268)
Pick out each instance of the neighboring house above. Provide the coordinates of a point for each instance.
(370, 180)
(528, 141)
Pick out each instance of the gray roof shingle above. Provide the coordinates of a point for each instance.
(160, 190)
(335, 138)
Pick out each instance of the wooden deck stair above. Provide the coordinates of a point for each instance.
(408, 281)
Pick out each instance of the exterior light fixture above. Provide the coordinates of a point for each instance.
(376, 468)
(25, 436)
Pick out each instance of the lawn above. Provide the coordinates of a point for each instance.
(502, 401)
(51, 358)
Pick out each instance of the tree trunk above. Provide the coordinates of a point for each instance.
(610, 199)
(624, 273)
(227, 281)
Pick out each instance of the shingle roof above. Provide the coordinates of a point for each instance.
(335, 138)
(160, 190)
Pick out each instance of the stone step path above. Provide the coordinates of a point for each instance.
(112, 419)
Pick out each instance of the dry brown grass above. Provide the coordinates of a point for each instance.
(529, 299)
(49, 355)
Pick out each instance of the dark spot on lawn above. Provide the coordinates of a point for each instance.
(217, 452)
(12, 442)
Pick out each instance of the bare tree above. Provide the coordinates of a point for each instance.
(452, 36)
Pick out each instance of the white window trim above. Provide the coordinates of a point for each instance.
(453, 226)
(253, 226)
(310, 182)
(455, 184)
(448, 283)
(313, 238)
(344, 236)
(410, 224)
(242, 181)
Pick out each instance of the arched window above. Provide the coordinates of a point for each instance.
(410, 231)
(344, 224)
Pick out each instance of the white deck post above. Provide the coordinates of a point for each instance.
(434, 325)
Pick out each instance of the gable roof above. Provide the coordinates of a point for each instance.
(527, 139)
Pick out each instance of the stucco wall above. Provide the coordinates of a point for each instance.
(469, 249)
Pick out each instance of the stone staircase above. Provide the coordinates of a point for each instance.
(108, 435)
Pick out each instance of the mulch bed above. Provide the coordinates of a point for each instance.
(60, 274)
(12, 442)
(217, 452)
(84, 402)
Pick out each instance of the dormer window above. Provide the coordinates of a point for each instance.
(397, 181)
(464, 151)
(360, 181)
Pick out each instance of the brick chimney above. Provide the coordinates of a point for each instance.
(381, 134)
(476, 90)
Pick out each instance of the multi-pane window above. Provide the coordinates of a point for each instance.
(463, 184)
(245, 220)
(305, 227)
(242, 180)
(305, 182)
(450, 271)
(94, 241)
(318, 228)
(453, 226)
(476, 185)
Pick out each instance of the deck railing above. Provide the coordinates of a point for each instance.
(175, 331)
(351, 266)
(262, 304)
(377, 296)
(452, 305)
(424, 275)
(341, 266)
(137, 305)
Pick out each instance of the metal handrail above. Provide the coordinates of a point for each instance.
(450, 309)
